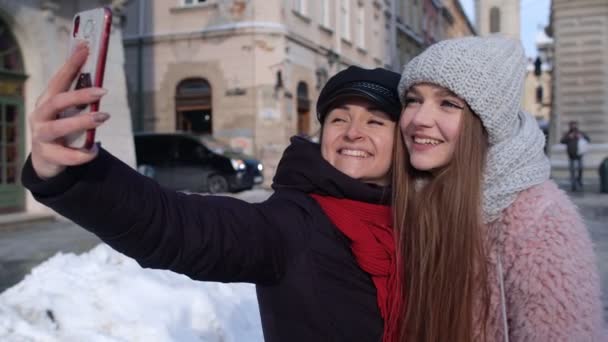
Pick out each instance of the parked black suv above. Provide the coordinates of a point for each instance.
(181, 161)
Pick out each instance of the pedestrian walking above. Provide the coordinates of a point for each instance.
(576, 143)
(490, 248)
(310, 249)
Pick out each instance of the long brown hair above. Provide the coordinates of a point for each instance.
(440, 241)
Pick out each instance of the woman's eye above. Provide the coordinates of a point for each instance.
(451, 104)
(337, 120)
(376, 122)
(410, 100)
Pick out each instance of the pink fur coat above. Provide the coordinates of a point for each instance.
(549, 272)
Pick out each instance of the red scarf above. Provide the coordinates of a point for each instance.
(369, 228)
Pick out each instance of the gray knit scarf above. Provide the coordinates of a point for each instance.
(514, 164)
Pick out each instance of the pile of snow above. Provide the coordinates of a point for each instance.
(104, 296)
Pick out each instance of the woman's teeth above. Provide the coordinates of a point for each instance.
(426, 141)
(354, 153)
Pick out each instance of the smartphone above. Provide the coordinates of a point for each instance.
(93, 27)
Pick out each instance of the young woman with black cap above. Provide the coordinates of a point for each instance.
(318, 249)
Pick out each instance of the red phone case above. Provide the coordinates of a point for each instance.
(94, 27)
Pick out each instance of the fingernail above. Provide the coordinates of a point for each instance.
(80, 47)
(98, 92)
(100, 117)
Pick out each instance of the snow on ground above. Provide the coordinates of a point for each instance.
(104, 296)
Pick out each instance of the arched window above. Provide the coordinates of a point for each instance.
(494, 20)
(193, 106)
(10, 55)
(303, 108)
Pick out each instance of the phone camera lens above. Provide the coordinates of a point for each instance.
(76, 25)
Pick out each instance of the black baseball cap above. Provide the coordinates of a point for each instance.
(376, 85)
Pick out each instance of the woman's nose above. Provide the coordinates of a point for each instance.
(423, 115)
(354, 131)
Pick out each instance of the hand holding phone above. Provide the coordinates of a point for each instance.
(93, 28)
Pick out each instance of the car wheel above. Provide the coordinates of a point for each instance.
(146, 170)
(217, 184)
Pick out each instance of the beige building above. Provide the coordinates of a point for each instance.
(433, 22)
(580, 32)
(407, 28)
(33, 42)
(498, 16)
(538, 89)
(457, 23)
(249, 71)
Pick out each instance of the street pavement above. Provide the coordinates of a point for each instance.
(25, 246)
(594, 209)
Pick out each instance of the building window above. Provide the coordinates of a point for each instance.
(194, 2)
(539, 94)
(399, 10)
(301, 6)
(376, 39)
(325, 13)
(361, 26)
(10, 54)
(345, 19)
(303, 108)
(494, 20)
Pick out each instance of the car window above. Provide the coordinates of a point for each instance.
(217, 146)
(191, 150)
(152, 148)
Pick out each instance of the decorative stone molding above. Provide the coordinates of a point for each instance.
(235, 10)
(49, 9)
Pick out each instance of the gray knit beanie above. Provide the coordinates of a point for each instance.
(488, 73)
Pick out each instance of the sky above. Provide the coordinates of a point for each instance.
(534, 14)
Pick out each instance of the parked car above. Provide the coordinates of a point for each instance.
(182, 161)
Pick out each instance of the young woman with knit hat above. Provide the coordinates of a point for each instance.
(490, 248)
(319, 249)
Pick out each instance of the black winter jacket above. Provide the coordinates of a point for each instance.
(309, 285)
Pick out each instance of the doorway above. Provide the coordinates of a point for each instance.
(193, 106)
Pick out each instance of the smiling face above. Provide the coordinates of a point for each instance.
(430, 125)
(357, 139)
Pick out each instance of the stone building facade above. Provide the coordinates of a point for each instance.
(433, 26)
(457, 24)
(407, 28)
(249, 71)
(34, 37)
(580, 74)
(498, 16)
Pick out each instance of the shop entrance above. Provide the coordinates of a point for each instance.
(12, 79)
